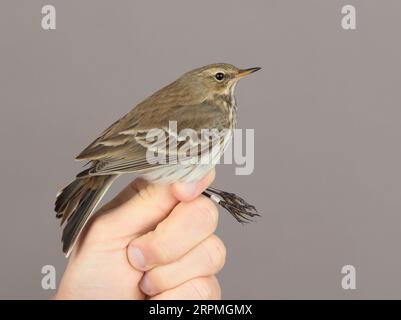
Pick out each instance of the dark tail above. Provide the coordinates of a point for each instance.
(76, 203)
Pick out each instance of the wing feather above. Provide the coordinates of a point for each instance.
(130, 148)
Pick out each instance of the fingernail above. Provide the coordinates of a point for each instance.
(136, 257)
(145, 286)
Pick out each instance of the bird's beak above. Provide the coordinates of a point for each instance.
(244, 72)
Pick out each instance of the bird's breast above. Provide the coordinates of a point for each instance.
(228, 104)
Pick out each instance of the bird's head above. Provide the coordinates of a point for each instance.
(219, 78)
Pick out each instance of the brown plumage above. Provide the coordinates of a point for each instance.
(197, 100)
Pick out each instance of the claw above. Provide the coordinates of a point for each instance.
(238, 212)
(241, 210)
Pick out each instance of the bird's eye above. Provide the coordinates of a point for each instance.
(219, 76)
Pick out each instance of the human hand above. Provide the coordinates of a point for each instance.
(151, 241)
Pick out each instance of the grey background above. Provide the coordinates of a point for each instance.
(325, 109)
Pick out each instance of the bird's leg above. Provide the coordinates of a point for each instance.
(235, 205)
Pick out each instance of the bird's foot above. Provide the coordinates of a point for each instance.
(241, 210)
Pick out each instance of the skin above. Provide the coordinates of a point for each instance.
(155, 242)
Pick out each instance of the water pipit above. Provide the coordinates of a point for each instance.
(200, 99)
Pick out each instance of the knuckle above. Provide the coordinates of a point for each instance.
(215, 252)
(145, 192)
(136, 185)
(148, 193)
(158, 249)
(206, 288)
(206, 212)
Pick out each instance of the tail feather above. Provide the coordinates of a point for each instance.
(64, 195)
(76, 203)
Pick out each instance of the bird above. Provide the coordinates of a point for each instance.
(199, 99)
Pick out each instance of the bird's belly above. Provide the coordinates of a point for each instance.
(177, 173)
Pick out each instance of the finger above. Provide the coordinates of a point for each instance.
(189, 191)
(206, 259)
(182, 191)
(123, 196)
(206, 288)
(187, 225)
(140, 207)
(150, 204)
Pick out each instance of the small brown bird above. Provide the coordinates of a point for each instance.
(200, 99)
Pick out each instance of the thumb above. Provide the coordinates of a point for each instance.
(148, 205)
(189, 191)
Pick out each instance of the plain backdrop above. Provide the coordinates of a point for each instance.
(325, 108)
